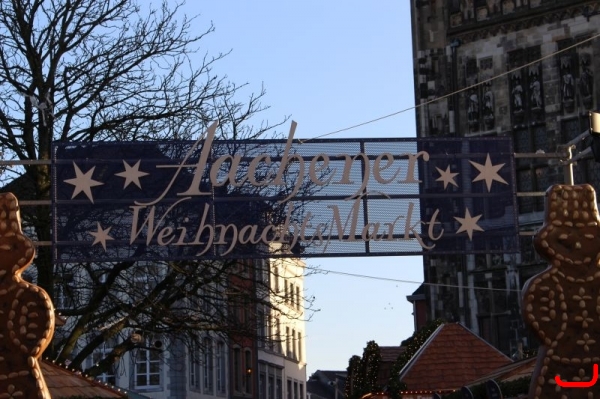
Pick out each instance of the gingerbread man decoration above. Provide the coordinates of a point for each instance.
(562, 304)
(26, 311)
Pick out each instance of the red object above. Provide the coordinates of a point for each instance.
(582, 384)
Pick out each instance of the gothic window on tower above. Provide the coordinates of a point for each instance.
(455, 12)
(492, 307)
(472, 95)
(532, 175)
(471, 67)
(535, 89)
(432, 8)
(526, 87)
(486, 63)
(491, 328)
(453, 5)
(568, 68)
(586, 81)
(528, 254)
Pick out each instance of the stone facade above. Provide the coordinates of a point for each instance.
(518, 68)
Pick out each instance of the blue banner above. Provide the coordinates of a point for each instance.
(212, 199)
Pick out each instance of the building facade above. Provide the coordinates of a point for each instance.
(517, 68)
(270, 364)
(327, 384)
(281, 333)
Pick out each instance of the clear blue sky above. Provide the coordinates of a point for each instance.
(330, 65)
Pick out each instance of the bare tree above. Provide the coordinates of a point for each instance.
(86, 70)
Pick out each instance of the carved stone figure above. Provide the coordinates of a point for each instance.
(517, 96)
(493, 6)
(517, 99)
(27, 322)
(488, 107)
(562, 304)
(536, 93)
(473, 109)
(567, 87)
(586, 82)
(473, 104)
(508, 6)
(568, 91)
(468, 9)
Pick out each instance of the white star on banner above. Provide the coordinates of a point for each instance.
(83, 182)
(468, 224)
(101, 236)
(132, 174)
(447, 177)
(488, 172)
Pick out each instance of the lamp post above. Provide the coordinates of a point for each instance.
(595, 133)
(336, 386)
(594, 148)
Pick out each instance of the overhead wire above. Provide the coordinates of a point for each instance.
(395, 280)
(421, 105)
(457, 91)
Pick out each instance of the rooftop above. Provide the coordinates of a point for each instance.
(391, 353)
(452, 357)
(63, 383)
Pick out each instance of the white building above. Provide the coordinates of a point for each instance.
(281, 352)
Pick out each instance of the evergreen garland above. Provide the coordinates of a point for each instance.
(363, 372)
(370, 363)
(353, 372)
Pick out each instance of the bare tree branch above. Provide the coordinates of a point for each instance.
(85, 70)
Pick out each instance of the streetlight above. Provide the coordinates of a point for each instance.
(594, 148)
(595, 133)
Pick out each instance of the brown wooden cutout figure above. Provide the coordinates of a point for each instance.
(562, 304)
(26, 311)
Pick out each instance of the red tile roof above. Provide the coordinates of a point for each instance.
(391, 353)
(451, 358)
(510, 372)
(63, 383)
